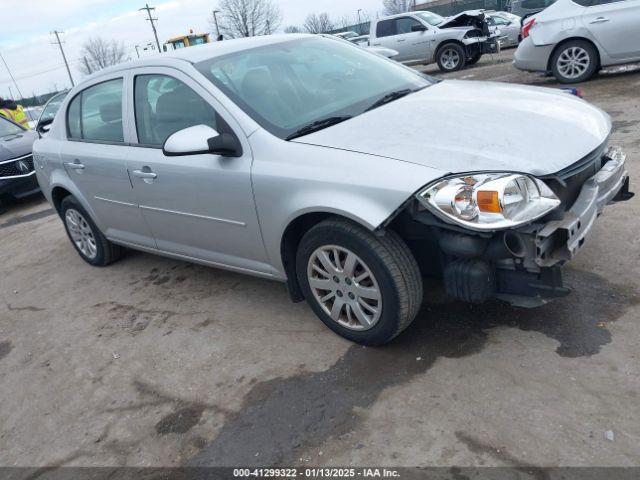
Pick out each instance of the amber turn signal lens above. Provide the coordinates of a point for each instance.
(488, 202)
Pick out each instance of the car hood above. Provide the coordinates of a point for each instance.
(461, 126)
(17, 145)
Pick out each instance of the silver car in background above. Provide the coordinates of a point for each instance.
(424, 37)
(508, 27)
(574, 39)
(308, 160)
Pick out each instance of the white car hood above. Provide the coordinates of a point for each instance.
(461, 126)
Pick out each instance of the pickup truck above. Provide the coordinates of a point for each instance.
(424, 37)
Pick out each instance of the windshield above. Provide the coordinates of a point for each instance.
(52, 107)
(8, 128)
(289, 85)
(431, 18)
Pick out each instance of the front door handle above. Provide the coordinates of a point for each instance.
(76, 165)
(144, 174)
(599, 20)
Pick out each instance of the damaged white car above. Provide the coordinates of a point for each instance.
(426, 37)
(308, 160)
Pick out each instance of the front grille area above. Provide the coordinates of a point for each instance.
(567, 183)
(17, 167)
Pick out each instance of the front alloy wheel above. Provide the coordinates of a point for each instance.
(451, 57)
(365, 287)
(344, 286)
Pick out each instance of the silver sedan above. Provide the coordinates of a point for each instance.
(309, 160)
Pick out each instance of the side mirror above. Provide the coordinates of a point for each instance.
(199, 140)
(418, 28)
(44, 126)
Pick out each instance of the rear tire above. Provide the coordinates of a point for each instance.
(366, 288)
(451, 57)
(574, 62)
(92, 246)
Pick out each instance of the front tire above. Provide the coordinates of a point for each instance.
(364, 287)
(474, 58)
(574, 62)
(92, 246)
(451, 57)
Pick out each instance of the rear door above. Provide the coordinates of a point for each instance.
(385, 34)
(615, 26)
(197, 206)
(412, 46)
(94, 157)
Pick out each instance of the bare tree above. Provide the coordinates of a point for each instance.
(292, 29)
(391, 7)
(318, 23)
(248, 18)
(98, 53)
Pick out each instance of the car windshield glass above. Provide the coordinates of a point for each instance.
(290, 85)
(8, 128)
(431, 18)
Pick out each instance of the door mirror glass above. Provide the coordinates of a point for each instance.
(418, 28)
(199, 140)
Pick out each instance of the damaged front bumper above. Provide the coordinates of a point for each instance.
(522, 265)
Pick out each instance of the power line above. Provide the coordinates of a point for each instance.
(153, 25)
(14, 83)
(55, 32)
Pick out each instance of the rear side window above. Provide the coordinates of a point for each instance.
(593, 3)
(164, 105)
(404, 24)
(385, 28)
(95, 114)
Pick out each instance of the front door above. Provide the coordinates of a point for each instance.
(615, 26)
(411, 46)
(198, 206)
(94, 158)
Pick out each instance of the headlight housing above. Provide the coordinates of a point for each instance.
(489, 201)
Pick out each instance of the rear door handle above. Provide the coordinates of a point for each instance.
(76, 165)
(144, 174)
(599, 20)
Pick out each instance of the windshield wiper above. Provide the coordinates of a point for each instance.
(390, 97)
(317, 125)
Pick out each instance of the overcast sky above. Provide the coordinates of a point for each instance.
(36, 63)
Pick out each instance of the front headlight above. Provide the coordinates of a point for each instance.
(489, 201)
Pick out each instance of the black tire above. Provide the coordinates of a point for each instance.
(390, 261)
(106, 252)
(474, 59)
(591, 52)
(444, 50)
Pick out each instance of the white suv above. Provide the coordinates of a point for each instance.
(573, 39)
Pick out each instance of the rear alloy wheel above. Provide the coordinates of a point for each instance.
(365, 287)
(88, 240)
(574, 62)
(451, 57)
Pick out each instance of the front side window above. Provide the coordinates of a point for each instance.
(385, 28)
(404, 24)
(291, 84)
(164, 105)
(95, 114)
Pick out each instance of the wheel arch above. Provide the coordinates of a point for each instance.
(566, 40)
(445, 42)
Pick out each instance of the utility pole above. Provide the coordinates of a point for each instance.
(215, 20)
(66, 64)
(137, 52)
(15, 84)
(153, 25)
